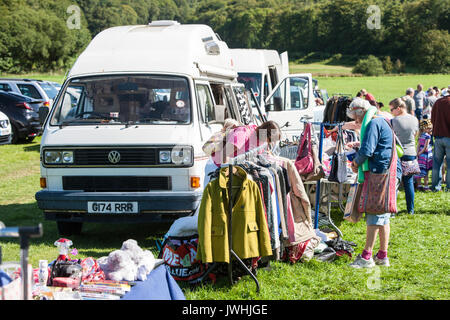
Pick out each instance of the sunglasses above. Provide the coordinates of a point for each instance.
(394, 109)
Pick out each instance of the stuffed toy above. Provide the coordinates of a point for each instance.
(130, 263)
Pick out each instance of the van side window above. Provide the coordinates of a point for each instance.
(273, 76)
(292, 94)
(205, 103)
(229, 100)
(266, 87)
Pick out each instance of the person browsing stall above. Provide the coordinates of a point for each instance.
(406, 127)
(376, 147)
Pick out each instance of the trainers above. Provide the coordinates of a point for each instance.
(360, 262)
(381, 262)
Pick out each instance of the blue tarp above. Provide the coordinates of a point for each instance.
(159, 286)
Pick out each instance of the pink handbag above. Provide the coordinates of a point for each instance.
(305, 161)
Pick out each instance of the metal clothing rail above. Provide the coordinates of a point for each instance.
(231, 164)
(321, 124)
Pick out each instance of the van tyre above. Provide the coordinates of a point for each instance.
(69, 228)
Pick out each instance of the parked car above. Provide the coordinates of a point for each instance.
(5, 129)
(56, 85)
(23, 115)
(50, 88)
(35, 89)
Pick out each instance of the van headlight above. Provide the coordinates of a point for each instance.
(67, 156)
(183, 156)
(165, 156)
(58, 157)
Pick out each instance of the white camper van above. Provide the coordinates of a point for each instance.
(123, 142)
(260, 70)
(284, 98)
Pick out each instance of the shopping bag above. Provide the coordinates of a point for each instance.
(179, 255)
(351, 212)
(305, 161)
(338, 171)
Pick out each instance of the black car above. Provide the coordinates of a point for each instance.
(22, 111)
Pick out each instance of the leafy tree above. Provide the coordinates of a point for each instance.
(432, 51)
(388, 66)
(372, 66)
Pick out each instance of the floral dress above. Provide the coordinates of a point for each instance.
(426, 158)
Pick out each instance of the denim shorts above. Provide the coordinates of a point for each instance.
(377, 219)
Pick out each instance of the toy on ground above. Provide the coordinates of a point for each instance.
(130, 263)
(64, 246)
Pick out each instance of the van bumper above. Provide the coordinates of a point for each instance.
(153, 207)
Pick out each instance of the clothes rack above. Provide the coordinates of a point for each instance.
(231, 164)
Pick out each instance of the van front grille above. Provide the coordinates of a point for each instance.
(128, 157)
(4, 138)
(117, 183)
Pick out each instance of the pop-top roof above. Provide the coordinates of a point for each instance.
(161, 46)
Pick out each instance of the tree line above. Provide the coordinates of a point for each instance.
(34, 34)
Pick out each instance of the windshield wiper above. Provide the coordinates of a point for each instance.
(67, 122)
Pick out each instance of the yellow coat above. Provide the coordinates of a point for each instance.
(250, 232)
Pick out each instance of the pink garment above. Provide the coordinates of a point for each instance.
(243, 138)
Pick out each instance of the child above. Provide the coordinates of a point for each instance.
(425, 152)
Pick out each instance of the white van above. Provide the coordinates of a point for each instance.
(123, 142)
(284, 98)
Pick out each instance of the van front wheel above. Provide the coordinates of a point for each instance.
(69, 228)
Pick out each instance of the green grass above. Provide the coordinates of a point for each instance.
(384, 88)
(320, 69)
(418, 247)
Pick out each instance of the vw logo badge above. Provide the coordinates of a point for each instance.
(114, 157)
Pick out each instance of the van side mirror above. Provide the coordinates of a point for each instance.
(278, 103)
(43, 113)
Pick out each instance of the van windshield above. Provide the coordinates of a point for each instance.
(124, 99)
(251, 81)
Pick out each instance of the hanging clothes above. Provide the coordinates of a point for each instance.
(250, 233)
(297, 225)
(302, 227)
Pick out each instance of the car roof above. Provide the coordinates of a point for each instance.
(21, 80)
(18, 96)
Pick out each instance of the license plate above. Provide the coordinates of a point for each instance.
(112, 207)
(4, 132)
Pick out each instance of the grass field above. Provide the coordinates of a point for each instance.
(320, 69)
(418, 247)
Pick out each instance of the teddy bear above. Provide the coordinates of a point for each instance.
(130, 263)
